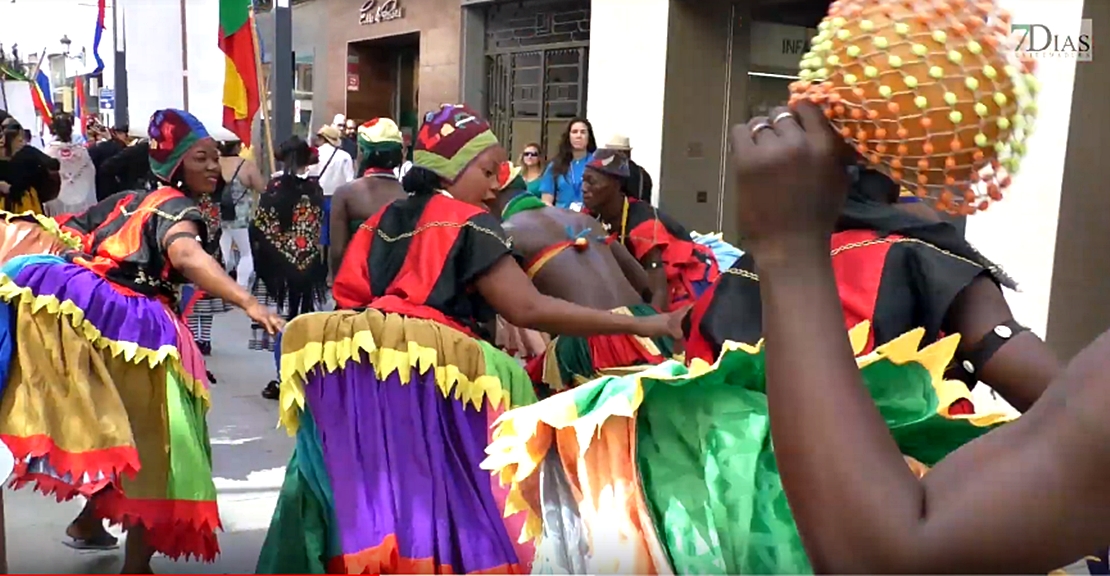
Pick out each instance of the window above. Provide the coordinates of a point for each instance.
(302, 81)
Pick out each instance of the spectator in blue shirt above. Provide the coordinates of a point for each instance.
(561, 184)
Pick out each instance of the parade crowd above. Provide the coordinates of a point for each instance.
(513, 365)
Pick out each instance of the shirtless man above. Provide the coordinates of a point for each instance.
(567, 256)
(380, 151)
(1026, 498)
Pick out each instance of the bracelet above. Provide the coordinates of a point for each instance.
(973, 360)
(177, 236)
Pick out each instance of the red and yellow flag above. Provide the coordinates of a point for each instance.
(241, 98)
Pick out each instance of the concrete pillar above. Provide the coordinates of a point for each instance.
(1079, 309)
(628, 71)
(1020, 232)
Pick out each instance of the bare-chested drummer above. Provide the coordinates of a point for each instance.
(380, 152)
(567, 255)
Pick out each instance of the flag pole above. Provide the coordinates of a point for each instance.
(34, 80)
(4, 88)
(184, 60)
(263, 99)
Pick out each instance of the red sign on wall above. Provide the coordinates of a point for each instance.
(352, 82)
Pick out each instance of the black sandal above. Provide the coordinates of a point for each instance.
(102, 541)
(211, 377)
(272, 391)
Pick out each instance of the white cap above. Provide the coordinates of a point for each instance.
(339, 120)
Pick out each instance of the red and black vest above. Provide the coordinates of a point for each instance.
(896, 282)
(419, 257)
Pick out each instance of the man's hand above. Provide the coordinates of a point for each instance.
(664, 325)
(791, 178)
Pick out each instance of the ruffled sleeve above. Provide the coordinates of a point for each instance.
(482, 243)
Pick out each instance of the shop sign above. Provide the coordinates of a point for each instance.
(352, 82)
(375, 11)
(778, 46)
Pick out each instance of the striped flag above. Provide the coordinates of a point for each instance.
(241, 97)
(79, 103)
(100, 5)
(41, 96)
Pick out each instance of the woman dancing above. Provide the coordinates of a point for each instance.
(107, 396)
(392, 405)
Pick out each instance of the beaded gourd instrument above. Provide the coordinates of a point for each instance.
(931, 92)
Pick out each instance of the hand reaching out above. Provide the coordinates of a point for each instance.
(265, 317)
(668, 324)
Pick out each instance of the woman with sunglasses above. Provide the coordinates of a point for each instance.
(531, 162)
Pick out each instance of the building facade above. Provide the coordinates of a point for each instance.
(522, 63)
(525, 64)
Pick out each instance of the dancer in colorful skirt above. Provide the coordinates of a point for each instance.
(380, 152)
(1023, 499)
(678, 268)
(21, 235)
(898, 272)
(107, 392)
(694, 431)
(674, 469)
(568, 255)
(391, 406)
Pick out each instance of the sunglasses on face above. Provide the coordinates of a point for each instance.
(531, 154)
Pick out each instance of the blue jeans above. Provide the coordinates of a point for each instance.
(277, 355)
(325, 228)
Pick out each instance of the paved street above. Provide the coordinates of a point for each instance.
(249, 452)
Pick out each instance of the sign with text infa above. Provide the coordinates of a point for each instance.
(375, 11)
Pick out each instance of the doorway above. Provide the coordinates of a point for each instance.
(383, 79)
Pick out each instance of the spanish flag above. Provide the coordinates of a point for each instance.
(241, 98)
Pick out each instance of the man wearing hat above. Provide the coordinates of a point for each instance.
(638, 185)
(335, 168)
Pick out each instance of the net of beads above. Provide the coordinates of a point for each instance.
(931, 92)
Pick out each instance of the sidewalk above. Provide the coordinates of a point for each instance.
(249, 454)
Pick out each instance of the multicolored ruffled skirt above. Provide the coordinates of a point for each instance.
(106, 395)
(392, 417)
(573, 360)
(671, 470)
